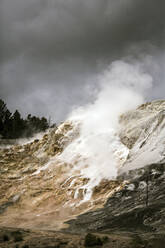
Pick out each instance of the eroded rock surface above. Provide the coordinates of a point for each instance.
(38, 190)
(143, 132)
(139, 206)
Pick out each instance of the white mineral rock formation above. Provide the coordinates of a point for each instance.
(69, 171)
(143, 132)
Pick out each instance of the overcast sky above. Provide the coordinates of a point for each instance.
(53, 50)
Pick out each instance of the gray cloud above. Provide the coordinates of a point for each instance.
(51, 51)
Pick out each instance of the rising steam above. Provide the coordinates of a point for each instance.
(97, 152)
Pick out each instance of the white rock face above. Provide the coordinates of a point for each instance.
(143, 132)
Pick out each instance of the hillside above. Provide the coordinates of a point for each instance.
(40, 189)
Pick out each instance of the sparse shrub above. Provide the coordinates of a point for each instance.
(5, 237)
(92, 240)
(17, 236)
(25, 246)
(105, 239)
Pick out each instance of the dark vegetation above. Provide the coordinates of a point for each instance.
(92, 240)
(13, 126)
(17, 235)
(21, 238)
(5, 238)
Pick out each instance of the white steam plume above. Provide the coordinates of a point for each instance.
(98, 153)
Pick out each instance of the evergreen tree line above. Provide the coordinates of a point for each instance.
(13, 126)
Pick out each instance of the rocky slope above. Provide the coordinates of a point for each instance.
(143, 131)
(138, 206)
(41, 190)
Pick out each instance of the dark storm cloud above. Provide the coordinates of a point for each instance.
(51, 49)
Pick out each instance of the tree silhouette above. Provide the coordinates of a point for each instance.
(14, 126)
